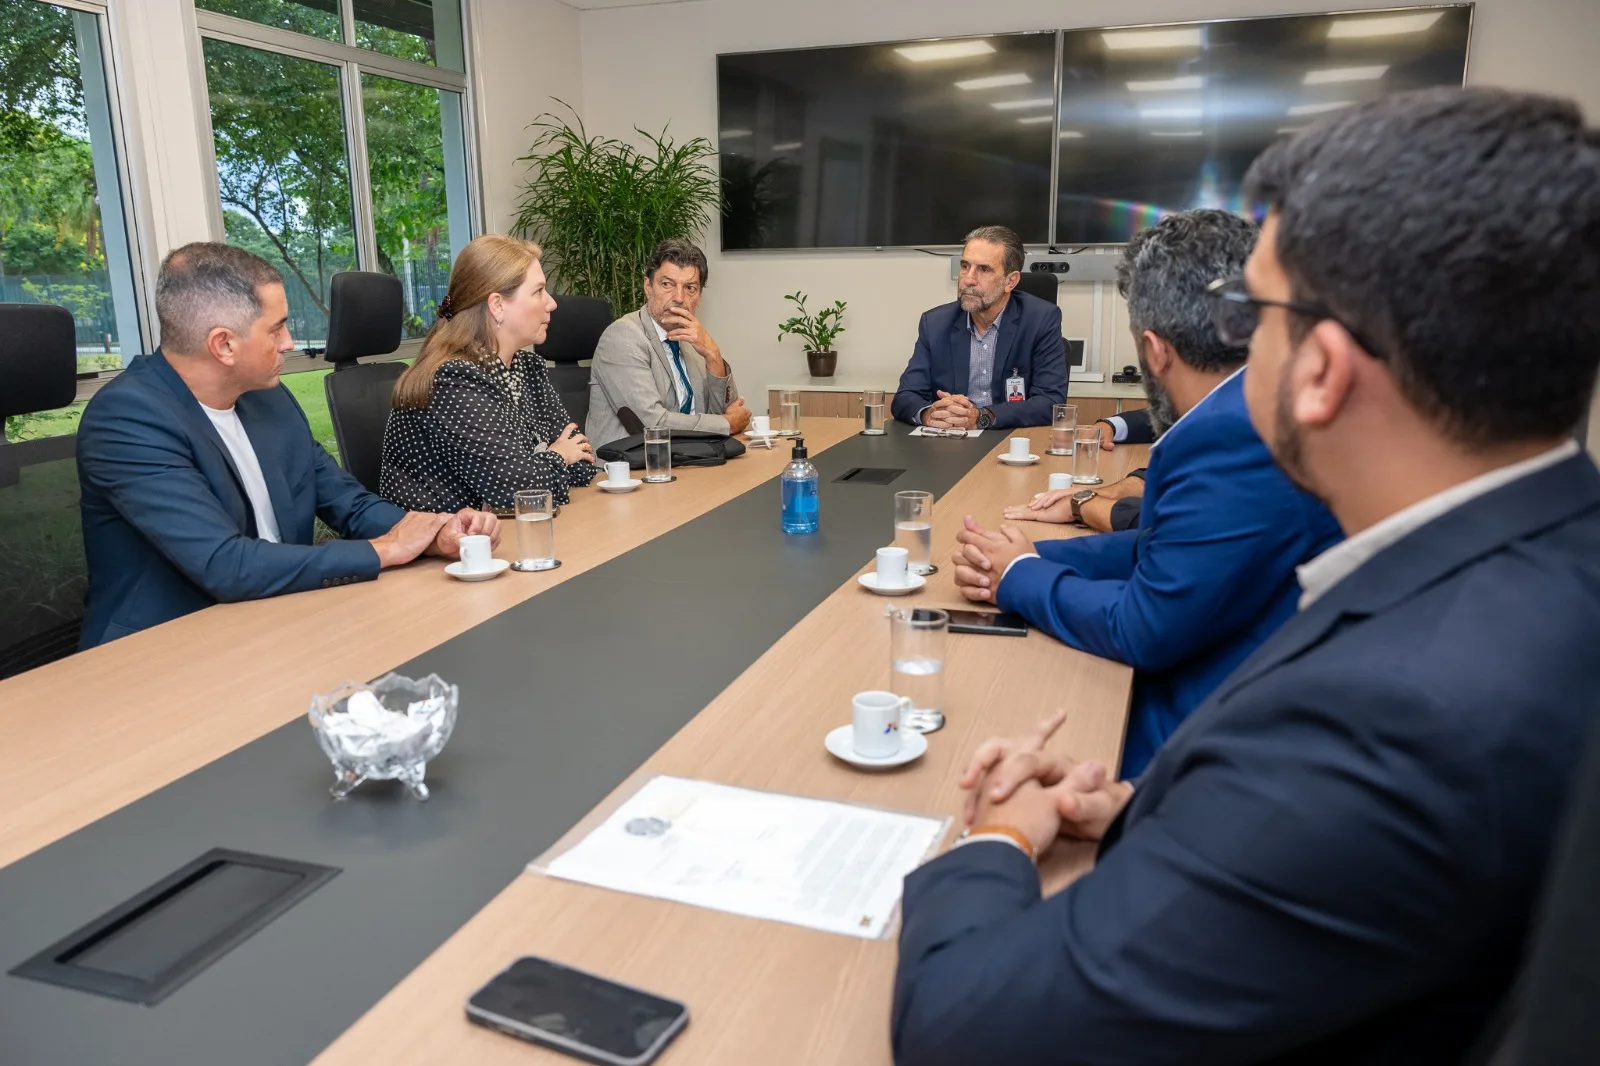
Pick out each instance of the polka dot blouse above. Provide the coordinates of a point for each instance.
(484, 435)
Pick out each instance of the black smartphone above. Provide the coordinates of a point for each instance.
(1004, 624)
(585, 1016)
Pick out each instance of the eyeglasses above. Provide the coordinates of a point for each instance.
(1236, 314)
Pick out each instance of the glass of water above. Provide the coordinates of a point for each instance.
(1086, 455)
(657, 455)
(788, 412)
(1063, 424)
(536, 530)
(872, 412)
(917, 640)
(913, 530)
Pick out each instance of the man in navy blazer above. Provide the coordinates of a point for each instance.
(1335, 859)
(995, 357)
(1209, 574)
(199, 476)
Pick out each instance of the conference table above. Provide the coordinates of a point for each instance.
(684, 634)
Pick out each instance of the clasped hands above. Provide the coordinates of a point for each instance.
(1044, 795)
(950, 411)
(981, 558)
(427, 533)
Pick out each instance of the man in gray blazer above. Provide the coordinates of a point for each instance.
(660, 363)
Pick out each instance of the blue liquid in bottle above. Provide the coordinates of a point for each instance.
(799, 483)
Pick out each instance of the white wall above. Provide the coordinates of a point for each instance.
(526, 53)
(654, 65)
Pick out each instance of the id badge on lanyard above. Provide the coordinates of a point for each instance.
(1015, 391)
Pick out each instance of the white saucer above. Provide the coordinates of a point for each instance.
(840, 744)
(869, 580)
(1005, 457)
(498, 567)
(618, 486)
(753, 435)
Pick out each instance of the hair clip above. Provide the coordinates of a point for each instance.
(446, 311)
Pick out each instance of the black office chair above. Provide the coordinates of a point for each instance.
(1047, 287)
(364, 318)
(43, 573)
(575, 330)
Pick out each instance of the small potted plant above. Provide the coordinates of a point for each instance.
(818, 331)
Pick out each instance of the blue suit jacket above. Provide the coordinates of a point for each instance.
(1208, 575)
(167, 526)
(1335, 859)
(1030, 343)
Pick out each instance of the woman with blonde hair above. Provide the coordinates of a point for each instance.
(476, 417)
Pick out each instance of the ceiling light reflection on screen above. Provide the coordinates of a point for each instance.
(1071, 135)
(1318, 109)
(1034, 120)
(998, 81)
(733, 135)
(927, 53)
(1382, 26)
(1023, 105)
(1173, 85)
(789, 146)
(1151, 40)
(1187, 111)
(1336, 75)
(1174, 133)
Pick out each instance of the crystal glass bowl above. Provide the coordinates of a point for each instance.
(384, 731)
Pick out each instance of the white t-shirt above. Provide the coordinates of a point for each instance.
(231, 430)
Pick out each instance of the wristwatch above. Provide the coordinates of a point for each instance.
(985, 418)
(1080, 498)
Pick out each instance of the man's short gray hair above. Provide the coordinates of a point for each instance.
(1163, 274)
(205, 285)
(1006, 238)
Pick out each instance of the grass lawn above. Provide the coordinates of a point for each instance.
(310, 393)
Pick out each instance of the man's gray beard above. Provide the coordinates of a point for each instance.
(1162, 414)
(962, 298)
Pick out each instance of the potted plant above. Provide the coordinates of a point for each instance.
(599, 206)
(818, 331)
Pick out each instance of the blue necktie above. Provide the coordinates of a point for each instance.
(683, 375)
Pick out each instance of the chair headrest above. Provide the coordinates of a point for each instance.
(575, 328)
(366, 311)
(38, 358)
(1038, 283)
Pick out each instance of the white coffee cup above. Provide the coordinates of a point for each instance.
(1060, 481)
(875, 723)
(892, 567)
(477, 554)
(1021, 447)
(618, 473)
(760, 425)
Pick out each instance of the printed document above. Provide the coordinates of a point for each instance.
(824, 865)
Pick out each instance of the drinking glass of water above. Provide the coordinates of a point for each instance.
(917, 640)
(872, 412)
(657, 455)
(536, 530)
(1063, 424)
(788, 412)
(913, 530)
(1086, 455)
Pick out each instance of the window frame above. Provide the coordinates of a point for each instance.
(135, 224)
(352, 62)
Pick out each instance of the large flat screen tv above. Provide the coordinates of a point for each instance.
(915, 143)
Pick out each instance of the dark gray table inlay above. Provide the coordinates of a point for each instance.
(547, 728)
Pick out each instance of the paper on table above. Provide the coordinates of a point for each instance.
(924, 431)
(824, 865)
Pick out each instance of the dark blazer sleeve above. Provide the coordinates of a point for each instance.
(1217, 520)
(485, 454)
(1048, 381)
(1136, 427)
(1125, 513)
(916, 388)
(145, 467)
(1276, 893)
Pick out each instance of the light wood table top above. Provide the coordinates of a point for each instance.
(90, 733)
(764, 992)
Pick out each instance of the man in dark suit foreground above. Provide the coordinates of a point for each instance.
(199, 474)
(1334, 860)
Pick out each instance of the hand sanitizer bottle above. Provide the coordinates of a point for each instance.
(799, 492)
